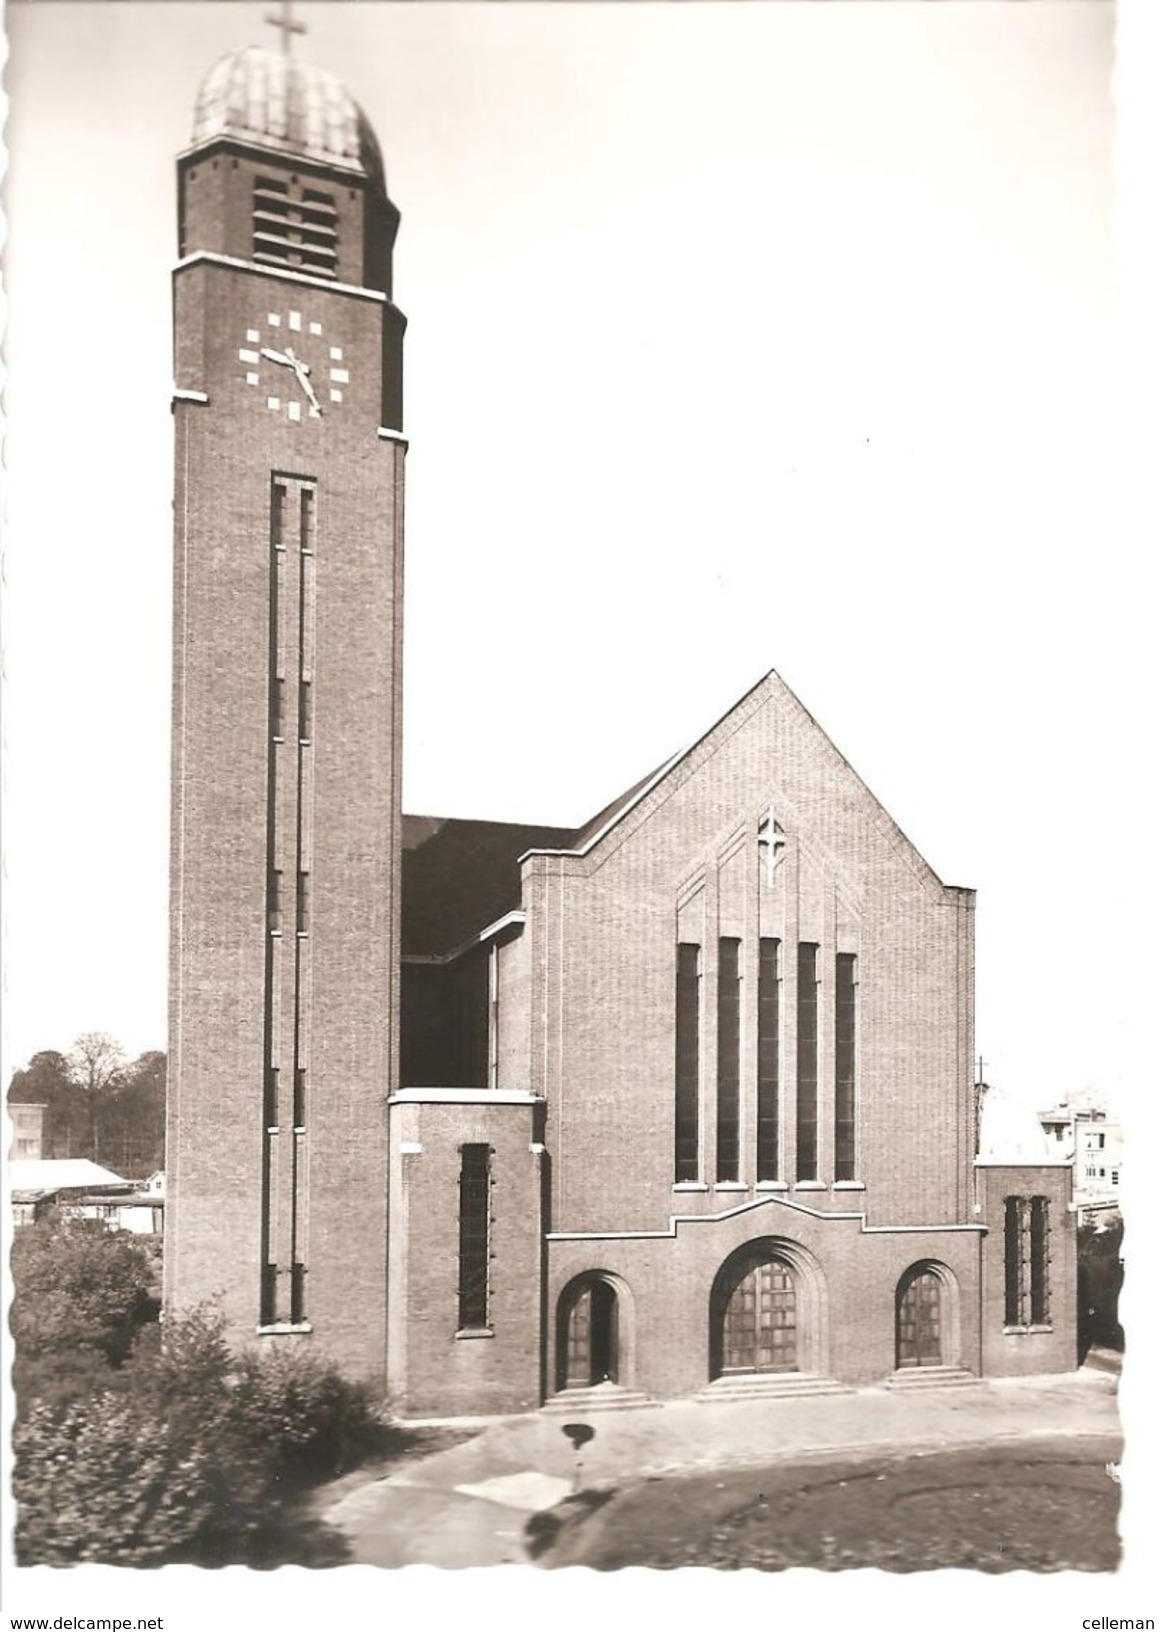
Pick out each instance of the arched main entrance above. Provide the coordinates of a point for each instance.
(755, 1314)
(588, 1333)
(924, 1317)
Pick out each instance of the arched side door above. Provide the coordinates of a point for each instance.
(919, 1318)
(588, 1346)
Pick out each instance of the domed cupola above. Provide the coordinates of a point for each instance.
(284, 170)
(270, 99)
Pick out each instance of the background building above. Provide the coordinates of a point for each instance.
(1094, 1144)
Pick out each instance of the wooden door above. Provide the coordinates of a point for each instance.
(592, 1336)
(919, 1321)
(759, 1320)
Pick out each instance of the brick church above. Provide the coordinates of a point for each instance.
(675, 1103)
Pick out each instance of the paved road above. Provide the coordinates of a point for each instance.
(472, 1504)
(1014, 1507)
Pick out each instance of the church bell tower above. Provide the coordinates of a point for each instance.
(285, 858)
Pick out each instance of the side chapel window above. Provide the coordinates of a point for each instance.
(1027, 1261)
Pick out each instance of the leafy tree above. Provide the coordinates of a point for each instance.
(45, 1081)
(97, 1105)
(1100, 1278)
(134, 1120)
(96, 1064)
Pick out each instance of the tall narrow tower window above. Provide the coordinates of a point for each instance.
(768, 1063)
(687, 1020)
(286, 1028)
(275, 901)
(806, 1062)
(845, 1127)
(727, 1118)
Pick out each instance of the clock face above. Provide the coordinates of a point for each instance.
(292, 368)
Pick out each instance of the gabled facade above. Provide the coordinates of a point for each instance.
(718, 1050)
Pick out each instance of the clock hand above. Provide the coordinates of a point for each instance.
(306, 384)
(302, 370)
(284, 358)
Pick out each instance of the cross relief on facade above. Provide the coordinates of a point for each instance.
(772, 840)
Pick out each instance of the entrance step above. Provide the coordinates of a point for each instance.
(931, 1377)
(772, 1386)
(580, 1402)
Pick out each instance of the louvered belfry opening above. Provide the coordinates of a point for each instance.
(295, 226)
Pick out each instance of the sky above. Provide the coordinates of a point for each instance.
(740, 337)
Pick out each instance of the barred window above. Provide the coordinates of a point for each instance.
(1013, 1259)
(1027, 1261)
(1040, 1257)
(473, 1295)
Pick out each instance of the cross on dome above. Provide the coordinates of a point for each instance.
(287, 24)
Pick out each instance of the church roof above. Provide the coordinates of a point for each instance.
(461, 876)
(276, 101)
(591, 829)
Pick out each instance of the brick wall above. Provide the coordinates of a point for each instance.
(433, 1370)
(1019, 1351)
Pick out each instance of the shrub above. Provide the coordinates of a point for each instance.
(297, 1405)
(153, 1474)
(82, 1294)
(188, 1462)
(101, 1481)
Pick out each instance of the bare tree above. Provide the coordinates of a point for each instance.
(95, 1064)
